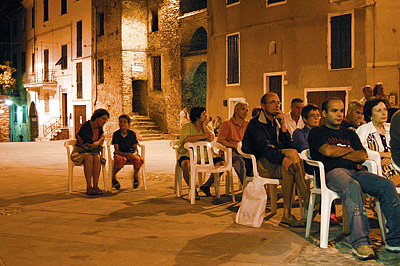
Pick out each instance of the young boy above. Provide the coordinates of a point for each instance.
(125, 145)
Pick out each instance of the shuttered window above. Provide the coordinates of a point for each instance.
(79, 83)
(157, 73)
(341, 41)
(233, 59)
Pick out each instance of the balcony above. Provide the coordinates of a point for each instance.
(41, 80)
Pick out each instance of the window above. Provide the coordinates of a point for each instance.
(46, 65)
(271, 2)
(100, 25)
(154, 20)
(45, 10)
(100, 70)
(33, 62)
(340, 41)
(63, 7)
(24, 114)
(23, 62)
(157, 73)
(15, 61)
(79, 93)
(63, 60)
(79, 38)
(233, 59)
(15, 113)
(230, 2)
(33, 17)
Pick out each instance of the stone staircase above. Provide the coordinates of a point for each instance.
(145, 128)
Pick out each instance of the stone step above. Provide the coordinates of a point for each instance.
(146, 128)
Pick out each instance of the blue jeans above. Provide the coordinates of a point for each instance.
(349, 185)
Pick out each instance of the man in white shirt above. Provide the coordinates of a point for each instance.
(368, 94)
(184, 116)
(293, 118)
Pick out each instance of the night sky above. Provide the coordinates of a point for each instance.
(6, 7)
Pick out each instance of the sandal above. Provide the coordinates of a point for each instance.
(291, 221)
(98, 191)
(90, 191)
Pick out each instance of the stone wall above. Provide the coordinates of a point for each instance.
(4, 121)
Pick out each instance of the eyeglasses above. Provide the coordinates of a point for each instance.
(315, 116)
(274, 102)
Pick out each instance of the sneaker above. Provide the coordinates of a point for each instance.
(364, 252)
(206, 190)
(116, 184)
(135, 182)
(394, 249)
(333, 220)
(291, 221)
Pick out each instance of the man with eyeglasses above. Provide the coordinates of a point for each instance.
(268, 139)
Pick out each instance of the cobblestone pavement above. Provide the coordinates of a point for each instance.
(42, 224)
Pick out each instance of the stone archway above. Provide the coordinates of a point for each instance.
(194, 85)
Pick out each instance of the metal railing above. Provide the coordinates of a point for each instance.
(52, 126)
(40, 76)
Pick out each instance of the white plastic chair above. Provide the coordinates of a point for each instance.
(328, 196)
(178, 170)
(271, 183)
(141, 152)
(69, 145)
(204, 151)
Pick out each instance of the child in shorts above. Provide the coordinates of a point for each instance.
(125, 146)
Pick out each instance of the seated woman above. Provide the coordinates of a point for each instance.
(89, 142)
(195, 131)
(375, 136)
(125, 144)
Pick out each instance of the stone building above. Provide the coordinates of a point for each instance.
(142, 49)
(4, 120)
(308, 49)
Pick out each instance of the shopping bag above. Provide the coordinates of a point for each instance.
(254, 201)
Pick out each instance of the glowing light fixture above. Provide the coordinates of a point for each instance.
(8, 102)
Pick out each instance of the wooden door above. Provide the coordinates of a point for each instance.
(318, 97)
(64, 110)
(79, 117)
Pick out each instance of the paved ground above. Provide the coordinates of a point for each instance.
(41, 224)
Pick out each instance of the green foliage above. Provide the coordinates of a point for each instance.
(7, 81)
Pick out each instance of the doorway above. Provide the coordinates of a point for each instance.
(139, 98)
(79, 117)
(64, 110)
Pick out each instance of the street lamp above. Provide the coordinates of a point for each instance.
(8, 102)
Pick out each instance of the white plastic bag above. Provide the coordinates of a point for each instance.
(254, 201)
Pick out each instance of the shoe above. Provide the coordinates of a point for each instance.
(364, 252)
(98, 191)
(291, 221)
(196, 195)
(333, 220)
(394, 249)
(135, 182)
(116, 184)
(90, 191)
(206, 190)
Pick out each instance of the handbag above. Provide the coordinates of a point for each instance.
(254, 201)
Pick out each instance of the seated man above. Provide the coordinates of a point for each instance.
(194, 131)
(340, 150)
(125, 145)
(354, 117)
(293, 118)
(268, 139)
(395, 139)
(231, 132)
